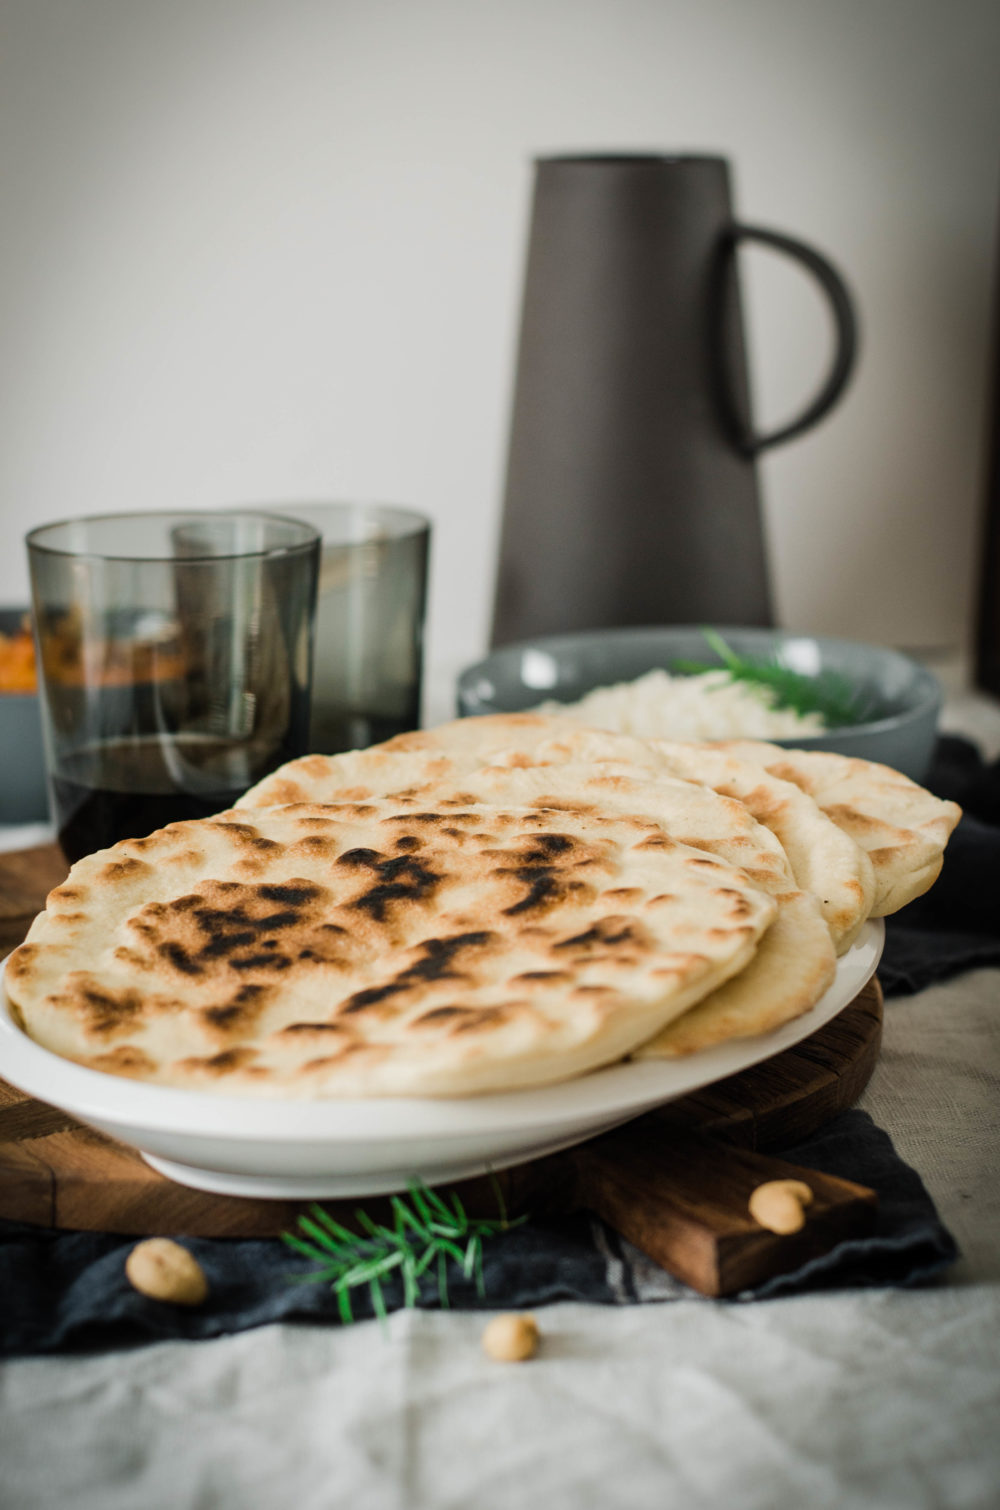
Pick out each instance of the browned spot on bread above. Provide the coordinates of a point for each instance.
(20, 962)
(740, 906)
(282, 793)
(545, 888)
(237, 1017)
(461, 1019)
(790, 773)
(229, 926)
(132, 957)
(435, 819)
(613, 941)
(105, 1012)
(126, 1059)
(656, 841)
(535, 935)
(606, 933)
(295, 1029)
(435, 962)
(397, 879)
(678, 964)
(313, 765)
(329, 812)
(315, 844)
(547, 977)
(66, 894)
(120, 870)
(346, 1049)
(417, 740)
(864, 827)
(564, 805)
(766, 803)
(541, 865)
(219, 1065)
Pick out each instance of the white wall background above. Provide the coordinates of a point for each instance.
(258, 249)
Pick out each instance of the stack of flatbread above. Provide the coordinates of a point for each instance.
(494, 904)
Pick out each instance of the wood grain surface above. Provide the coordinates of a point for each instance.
(675, 1182)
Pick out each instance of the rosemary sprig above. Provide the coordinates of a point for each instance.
(426, 1231)
(829, 694)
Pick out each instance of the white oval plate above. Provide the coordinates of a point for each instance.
(322, 1149)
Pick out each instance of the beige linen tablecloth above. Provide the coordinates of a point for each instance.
(879, 1400)
(854, 1399)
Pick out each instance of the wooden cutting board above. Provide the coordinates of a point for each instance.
(675, 1182)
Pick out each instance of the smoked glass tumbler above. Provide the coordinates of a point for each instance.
(175, 657)
(370, 612)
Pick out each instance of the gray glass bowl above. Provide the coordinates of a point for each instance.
(904, 698)
(23, 794)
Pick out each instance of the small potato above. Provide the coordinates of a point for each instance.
(779, 1205)
(163, 1270)
(511, 1339)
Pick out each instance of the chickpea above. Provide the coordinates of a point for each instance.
(511, 1338)
(779, 1205)
(163, 1270)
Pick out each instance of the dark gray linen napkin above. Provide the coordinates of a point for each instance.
(956, 926)
(67, 1291)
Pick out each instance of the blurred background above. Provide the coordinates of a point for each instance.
(273, 249)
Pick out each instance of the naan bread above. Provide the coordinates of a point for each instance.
(795, 961)
(792, 968)
(689, 812)
(357, 774)
(901, 827)
(380, 948)
(825, 860)
(486, 733)
(789, 972)
(449, 750)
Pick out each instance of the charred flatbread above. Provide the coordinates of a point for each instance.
(792, 968)
(825, 860)
(380, 948)
(902, 828)
(795, 960)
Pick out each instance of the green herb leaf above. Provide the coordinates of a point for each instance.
(442, 1232)
(831, 695)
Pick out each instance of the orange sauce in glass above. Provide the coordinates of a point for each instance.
(17, 662)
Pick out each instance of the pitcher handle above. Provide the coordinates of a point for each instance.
(846, 331)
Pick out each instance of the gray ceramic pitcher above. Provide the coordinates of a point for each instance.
(631, 493)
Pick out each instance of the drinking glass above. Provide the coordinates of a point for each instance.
(368, 663)
(174, 654)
